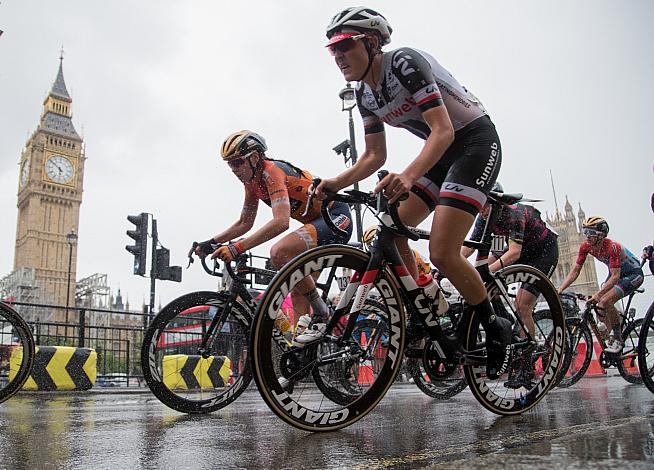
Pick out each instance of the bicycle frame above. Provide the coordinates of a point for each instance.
(383, 254)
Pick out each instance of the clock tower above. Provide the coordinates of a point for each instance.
(49, 198)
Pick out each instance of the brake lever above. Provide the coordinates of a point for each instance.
(314, 185)
(190, 254)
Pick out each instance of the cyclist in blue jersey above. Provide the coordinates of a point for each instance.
(455, 168)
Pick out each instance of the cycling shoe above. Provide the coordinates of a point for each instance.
(498, 346)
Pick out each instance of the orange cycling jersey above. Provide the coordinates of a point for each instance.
(282, 183)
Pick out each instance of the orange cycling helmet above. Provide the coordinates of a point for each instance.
(241, 144)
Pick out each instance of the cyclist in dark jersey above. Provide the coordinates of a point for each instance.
(284, 188)
(625, 274)
(455, 168)
(531, 242)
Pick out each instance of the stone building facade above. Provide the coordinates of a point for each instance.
(49, 198)
(570, 237)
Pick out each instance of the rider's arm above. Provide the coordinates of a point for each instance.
(371, 160)
(245, 221)
(571, 277)
(275, 181)
(511, 256)
(440, 138)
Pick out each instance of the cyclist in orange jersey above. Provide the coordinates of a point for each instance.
(283, 187)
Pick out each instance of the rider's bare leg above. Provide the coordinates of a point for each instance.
(448, 231)
(304, 294)
(611, 315)
(525, 302)
(412, 211)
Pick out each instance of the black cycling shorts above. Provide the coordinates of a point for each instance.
(467, 171)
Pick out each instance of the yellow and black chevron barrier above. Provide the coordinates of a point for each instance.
(59, 368)
(192, 372)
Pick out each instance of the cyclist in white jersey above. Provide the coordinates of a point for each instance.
(453, 172)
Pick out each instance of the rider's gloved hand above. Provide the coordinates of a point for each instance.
(204, 248)
(648, 252)
(229, 252)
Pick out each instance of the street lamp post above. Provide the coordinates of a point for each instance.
(72, 240)
(348, 103)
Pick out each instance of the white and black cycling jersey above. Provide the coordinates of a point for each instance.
(412, 82)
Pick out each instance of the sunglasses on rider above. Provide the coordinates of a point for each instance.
(344, 45)
(236, 163)
(589, 232)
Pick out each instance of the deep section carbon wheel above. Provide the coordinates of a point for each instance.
(190, 370)
(533, 365)
(646, 349)
(335, 381)
(16, 351)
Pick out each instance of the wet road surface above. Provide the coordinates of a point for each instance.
(598, 423)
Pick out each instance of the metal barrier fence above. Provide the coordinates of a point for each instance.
(115, 335)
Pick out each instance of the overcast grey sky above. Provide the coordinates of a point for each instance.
(157, 85)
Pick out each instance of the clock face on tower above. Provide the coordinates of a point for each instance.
(24, 172)
(59, 169)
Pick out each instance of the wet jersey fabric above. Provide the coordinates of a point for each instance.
(612, 254)
(280, 183)
(522, 224)
(412, 82)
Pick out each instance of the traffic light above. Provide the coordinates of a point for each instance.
(163, 270)
(140, 247)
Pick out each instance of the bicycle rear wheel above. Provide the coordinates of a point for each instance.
(16, 351)
(335, 381)
(646, 349)
(628, 362)
(538, 362)
(181, 374)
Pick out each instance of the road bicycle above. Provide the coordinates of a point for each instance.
(371, 366)
(582, 324)
(17, 351)
(194, 355)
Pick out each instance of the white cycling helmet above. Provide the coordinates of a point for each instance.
(360, 19)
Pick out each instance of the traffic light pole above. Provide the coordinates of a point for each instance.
(153, 269)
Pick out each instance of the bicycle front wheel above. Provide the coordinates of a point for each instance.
(533, 365)
(184, 373)
(628, 362)
(646, 349)
(16, 351)
(579, 353)
(336, 380)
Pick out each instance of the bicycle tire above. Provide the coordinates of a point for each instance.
(297, 400)
(646, 349)
(181, 378)
(543, 323)
(628, 363)
(16, 357)
(545, 357)
(579, 333)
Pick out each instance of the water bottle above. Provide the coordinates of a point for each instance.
(302, 324)
(601, 329)
(433, 291)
